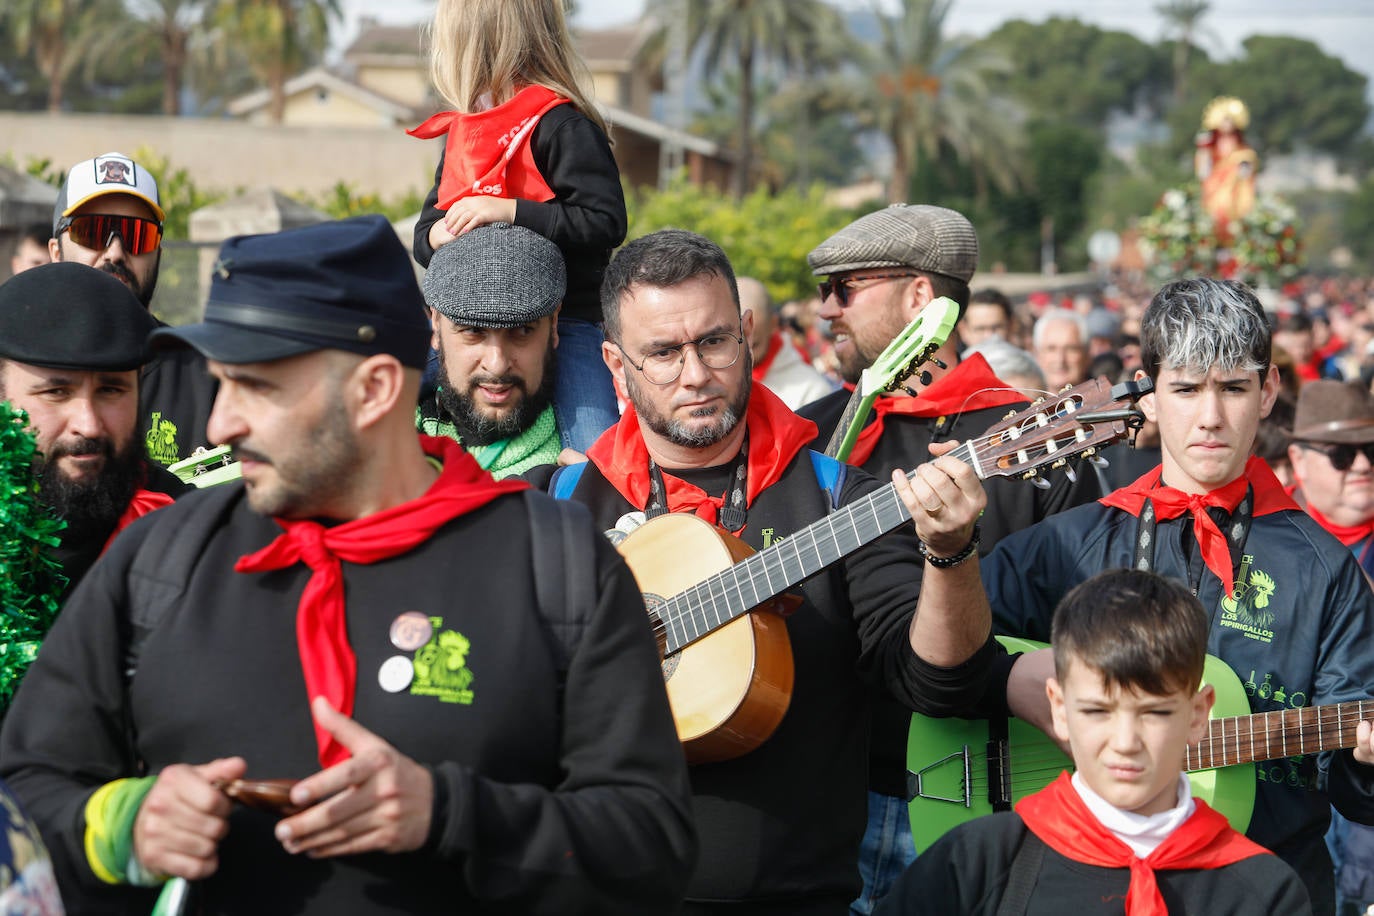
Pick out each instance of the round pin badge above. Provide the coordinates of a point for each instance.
(410, 631)
(396, 674)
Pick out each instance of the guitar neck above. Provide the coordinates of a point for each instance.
(1271, 735)
(705, 607)
(851, 423)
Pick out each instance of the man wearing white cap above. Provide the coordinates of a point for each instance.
(109, 216)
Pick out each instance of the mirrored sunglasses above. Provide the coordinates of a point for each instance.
(97, 230)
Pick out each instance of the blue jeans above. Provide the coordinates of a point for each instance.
(583, 397)
(886, 851)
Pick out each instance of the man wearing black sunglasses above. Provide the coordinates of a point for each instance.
(109, 216)
(1332, 454)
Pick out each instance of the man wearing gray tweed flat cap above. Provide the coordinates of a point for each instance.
(494, 295)
(880, 272)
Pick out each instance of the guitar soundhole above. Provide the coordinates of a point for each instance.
(652, 603)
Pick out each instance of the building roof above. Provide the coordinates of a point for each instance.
(613, 48)
(320, 78)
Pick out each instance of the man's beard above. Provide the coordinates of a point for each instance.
(94, 503)
(144, 292)
(476, 427)
(678, 432)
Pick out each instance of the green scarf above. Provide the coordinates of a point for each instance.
(540, 444)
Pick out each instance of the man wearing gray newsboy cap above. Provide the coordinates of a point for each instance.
(494, 295)
(881, 271)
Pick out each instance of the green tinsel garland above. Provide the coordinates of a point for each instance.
(30, 579)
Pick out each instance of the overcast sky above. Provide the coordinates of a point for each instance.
(1343, 28)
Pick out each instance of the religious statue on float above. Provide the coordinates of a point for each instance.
(1225, 164)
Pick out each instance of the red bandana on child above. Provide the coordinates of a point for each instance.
(330, 668)
(776, 435)
(1171, 503)
(488, 152)
(143, 502)
(1058, 816)
(971, 385)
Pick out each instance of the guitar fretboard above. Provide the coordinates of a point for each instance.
(705, 607)
(1272, 735)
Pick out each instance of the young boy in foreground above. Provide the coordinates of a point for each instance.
(1123, 834)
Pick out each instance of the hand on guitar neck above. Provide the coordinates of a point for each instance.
(945, 499)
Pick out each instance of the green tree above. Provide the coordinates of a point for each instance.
(1299, 98)
(749, 33)
(1049, 59)
(923, 89)
(278, 37)
(175, 23)
(1182, 18)
(56, 33)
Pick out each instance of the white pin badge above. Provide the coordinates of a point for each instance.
(396, 674)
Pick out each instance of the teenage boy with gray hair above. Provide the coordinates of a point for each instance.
(1129, 651)
(1290, 610)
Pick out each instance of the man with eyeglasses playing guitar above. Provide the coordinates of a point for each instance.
(881, 272)
(109, 216)
(1291, 612)
(778, 776)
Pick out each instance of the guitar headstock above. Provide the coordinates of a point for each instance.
(1078, 421)
(917, 343)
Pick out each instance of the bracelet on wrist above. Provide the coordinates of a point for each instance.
(947, 562)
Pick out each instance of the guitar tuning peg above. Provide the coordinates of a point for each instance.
(1040, 483)
(1071, 474)
(924, 377)
(1098, 461)
(1010, 414)
(909, 390)
(938, 362)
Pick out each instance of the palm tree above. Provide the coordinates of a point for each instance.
(174, 22)
(1182, 17)
(924, 90)
(56, 33)
(746, 33)
(278, 37)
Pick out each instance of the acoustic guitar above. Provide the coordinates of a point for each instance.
(727, 660)
(959, 769)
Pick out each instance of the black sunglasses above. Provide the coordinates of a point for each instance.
(1342, 457)
(840, 287)
(97, 230)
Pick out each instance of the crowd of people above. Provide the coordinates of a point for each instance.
(539, 586)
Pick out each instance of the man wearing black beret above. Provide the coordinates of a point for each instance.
(494, 295)
(368, 615)
(72, 340)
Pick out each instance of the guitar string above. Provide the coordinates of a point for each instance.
(673, 612)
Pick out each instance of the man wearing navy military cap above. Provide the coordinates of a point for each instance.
(494, 751)
(71, 343)
(494, 295)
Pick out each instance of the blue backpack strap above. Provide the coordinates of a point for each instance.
(831, 475)
(564, 480)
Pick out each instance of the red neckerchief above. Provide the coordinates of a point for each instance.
(1346, 534)
(1171, 503)
(327, 660)
(1058, 816)
(762, 366)
(971, 385)
(776, 435)
(143, 502)
(488, 152)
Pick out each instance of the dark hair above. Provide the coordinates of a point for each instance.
(951, 288)
(1203, 323)
(1275, 432)
(1294, 322)
(1108, 364)
(38, 233)
(661, 259)
(990, 296)
(1138, 629)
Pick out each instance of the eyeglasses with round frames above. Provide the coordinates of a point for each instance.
(663, 366)
(1342, 457)
(842, 287)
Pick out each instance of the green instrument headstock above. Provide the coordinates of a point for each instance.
(916, 344)
(207, 467)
